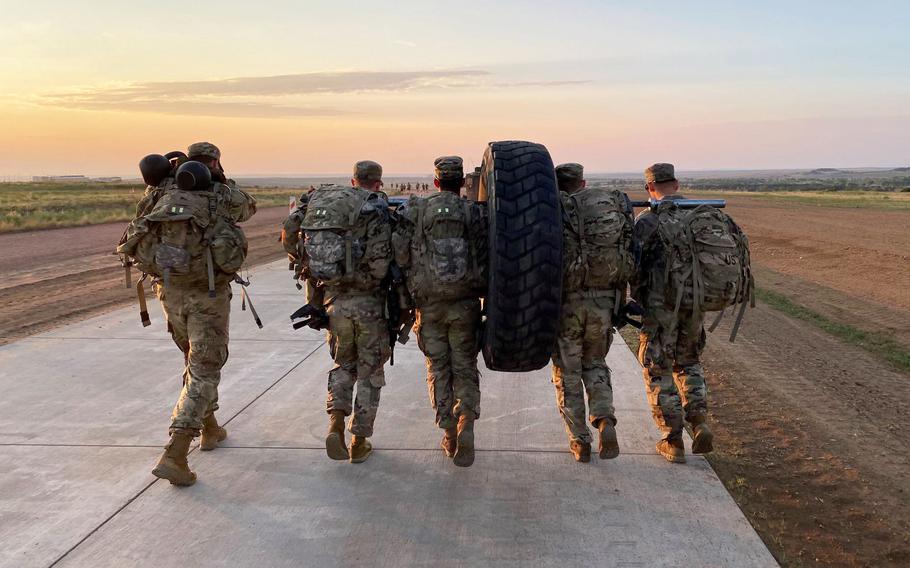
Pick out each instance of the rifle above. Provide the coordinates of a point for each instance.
(632, 308)
(682, 203)
(395, 202)
(399, 328)
(313, 317)
(247, 299)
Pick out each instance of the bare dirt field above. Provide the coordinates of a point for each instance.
(810, 431)
(810, 428)
(60, 275)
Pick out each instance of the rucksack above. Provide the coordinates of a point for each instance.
(708, 266)
(293, 242)
(334, 232)
(446, 263)
(598, 243)
(187, 237)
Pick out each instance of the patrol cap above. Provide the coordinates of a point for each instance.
(203, 149)
(569, 173)
(367, 171)
(449, 167)
(660, 172)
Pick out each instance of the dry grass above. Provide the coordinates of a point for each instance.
(30, 206)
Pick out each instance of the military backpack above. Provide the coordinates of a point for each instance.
(186, 237)
(708, 266)
(446, 260)
(334, 231)
(598, 240)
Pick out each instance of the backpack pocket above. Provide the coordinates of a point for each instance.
(326, 251)
(229, 248)
(720, 269)
(449, 259)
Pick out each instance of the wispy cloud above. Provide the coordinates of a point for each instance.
(272, 96)
(405, 43)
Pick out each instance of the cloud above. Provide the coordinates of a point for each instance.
(228, 109)
(405, 43)
(271, 96)
(296, 84)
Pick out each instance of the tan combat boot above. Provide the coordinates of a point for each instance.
(673, 450)
(172, 465)
(361, 448)
(335, 446)
(702, 437)
(450, 442)
(581, 451)
(609, 445)
(464, 442)
(212, 434)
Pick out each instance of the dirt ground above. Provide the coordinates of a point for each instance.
(809, 430)
(58, 276)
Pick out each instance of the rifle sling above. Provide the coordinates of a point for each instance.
(143, 307)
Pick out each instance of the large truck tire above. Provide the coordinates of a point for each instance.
(525, 264)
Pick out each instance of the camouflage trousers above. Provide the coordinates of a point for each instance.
(199, 326)
(358, 340)
(579, 364)
(447, 335)
(669, 354)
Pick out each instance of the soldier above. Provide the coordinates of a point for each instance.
(670, 342)
(436, 243)
(597, 267)
(348, 251)
(193, 286)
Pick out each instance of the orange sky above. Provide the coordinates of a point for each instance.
(309, 88)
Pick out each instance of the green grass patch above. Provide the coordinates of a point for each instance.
(30, 206)
(875, 343)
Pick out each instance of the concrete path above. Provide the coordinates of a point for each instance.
(84, 414)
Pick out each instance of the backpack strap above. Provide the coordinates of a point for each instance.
(580, 230)
(468, 217)
(349, 233)
(209, 261)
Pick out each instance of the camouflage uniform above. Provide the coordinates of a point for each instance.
(447, 336)
(199, 324)
(447, 327)
(585, 336)
(358, 332)
(670, 345)
(358, 342)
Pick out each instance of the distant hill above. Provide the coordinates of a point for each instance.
(822, 171)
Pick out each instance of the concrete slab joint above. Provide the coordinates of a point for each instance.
(85, 413)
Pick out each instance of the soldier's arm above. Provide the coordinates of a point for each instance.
(402, 235)
(243, 205)
(290, 234)
(642, 240)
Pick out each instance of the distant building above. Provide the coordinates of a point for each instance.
(62, 179)
(76, 179)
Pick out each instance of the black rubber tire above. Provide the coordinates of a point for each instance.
(525, 266)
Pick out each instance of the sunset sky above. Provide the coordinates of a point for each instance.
(310, 87)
